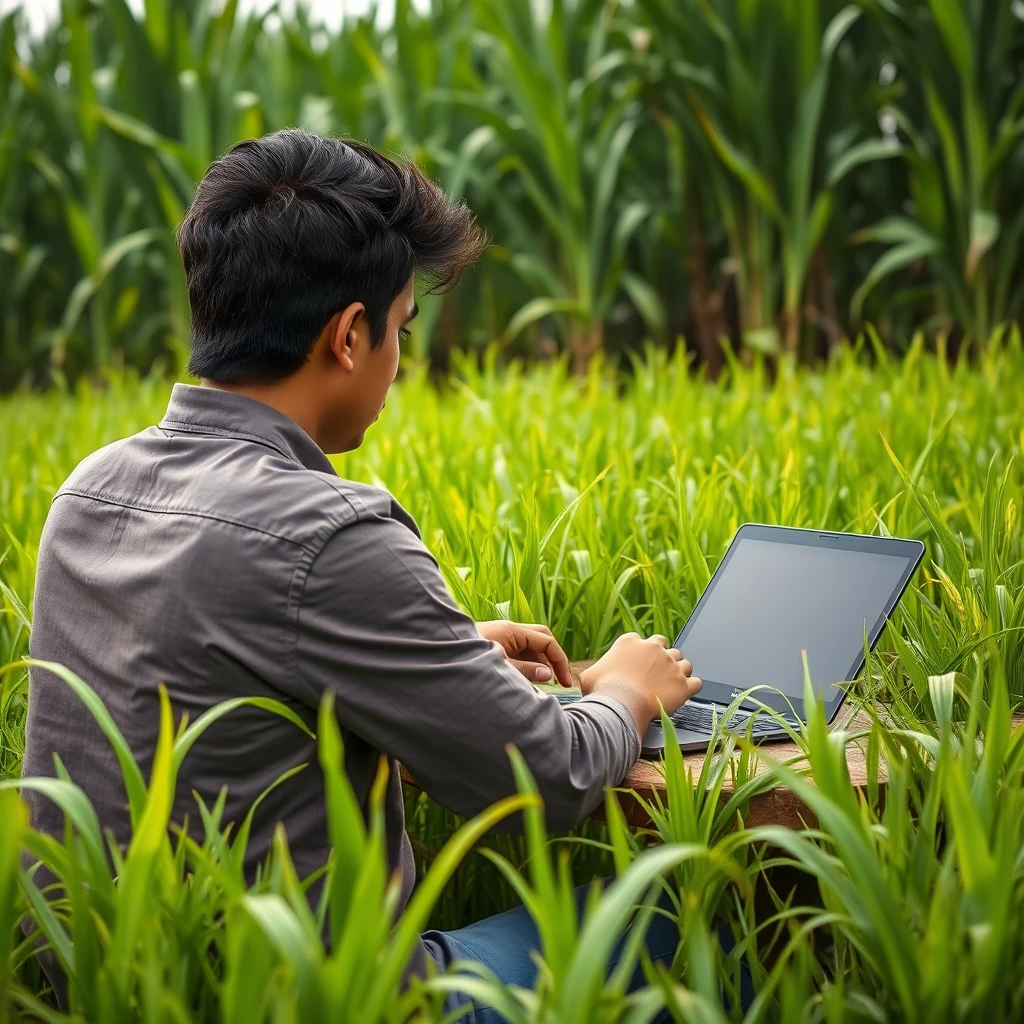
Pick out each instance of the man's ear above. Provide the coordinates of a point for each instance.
(345, 331)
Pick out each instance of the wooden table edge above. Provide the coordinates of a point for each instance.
(778, 805)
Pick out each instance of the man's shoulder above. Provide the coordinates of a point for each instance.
(361, 502)
(99, 465)
(232, 481)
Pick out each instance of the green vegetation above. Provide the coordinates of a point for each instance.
(777, 172)
(763, 178)
(600, 504)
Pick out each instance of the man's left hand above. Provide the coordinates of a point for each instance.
(529, 647)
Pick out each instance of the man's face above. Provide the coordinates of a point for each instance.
(363, 391)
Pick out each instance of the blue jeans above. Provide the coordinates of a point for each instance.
(504, 943)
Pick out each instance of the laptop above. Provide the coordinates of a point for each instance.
(780, 591)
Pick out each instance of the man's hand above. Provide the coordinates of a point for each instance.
(529, 647)
(644, 675)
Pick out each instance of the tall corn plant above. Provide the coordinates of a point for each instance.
(126, 111)
(410, 84)
(178, 96)
(98, 262)
(958, 103)
(562, 109)
(392, 87)
(23, 307)
(773, 137)
(124, 130)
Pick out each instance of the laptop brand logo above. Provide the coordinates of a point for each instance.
(736, 693)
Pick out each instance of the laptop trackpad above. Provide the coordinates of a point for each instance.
(653, 746)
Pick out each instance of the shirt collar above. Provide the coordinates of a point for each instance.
(199, 410)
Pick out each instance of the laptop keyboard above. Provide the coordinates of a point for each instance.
(697, 716)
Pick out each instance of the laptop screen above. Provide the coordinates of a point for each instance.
(772, 599)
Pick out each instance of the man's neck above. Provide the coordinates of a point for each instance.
(283, 396)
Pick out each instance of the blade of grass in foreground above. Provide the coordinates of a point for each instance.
(13, 822)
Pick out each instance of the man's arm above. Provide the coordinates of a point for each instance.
(414, 678)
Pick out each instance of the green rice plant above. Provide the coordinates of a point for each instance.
(922, 895)
(477, 889)
(607, 504)
(573, 953)
(179, 933)
(717, 882)
(93, 934)
(919, 899)
(603, 503)
(176, 932)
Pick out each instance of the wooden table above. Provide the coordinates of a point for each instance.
(777, 806)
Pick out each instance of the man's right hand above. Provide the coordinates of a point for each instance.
(644, 675)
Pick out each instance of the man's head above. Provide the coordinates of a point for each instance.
(300, 254)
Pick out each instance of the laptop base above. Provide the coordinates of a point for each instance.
(692, 742)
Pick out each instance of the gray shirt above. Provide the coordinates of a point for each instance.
(220, 554)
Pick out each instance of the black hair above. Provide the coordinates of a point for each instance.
(287, 230)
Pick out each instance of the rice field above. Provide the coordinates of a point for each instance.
(597, 505)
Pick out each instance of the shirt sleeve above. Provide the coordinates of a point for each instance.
(414, 679)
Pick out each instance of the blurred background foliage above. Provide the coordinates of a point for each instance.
(763, 174)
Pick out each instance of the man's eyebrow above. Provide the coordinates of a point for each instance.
(414, 313)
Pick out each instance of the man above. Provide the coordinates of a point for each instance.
(220, 554)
